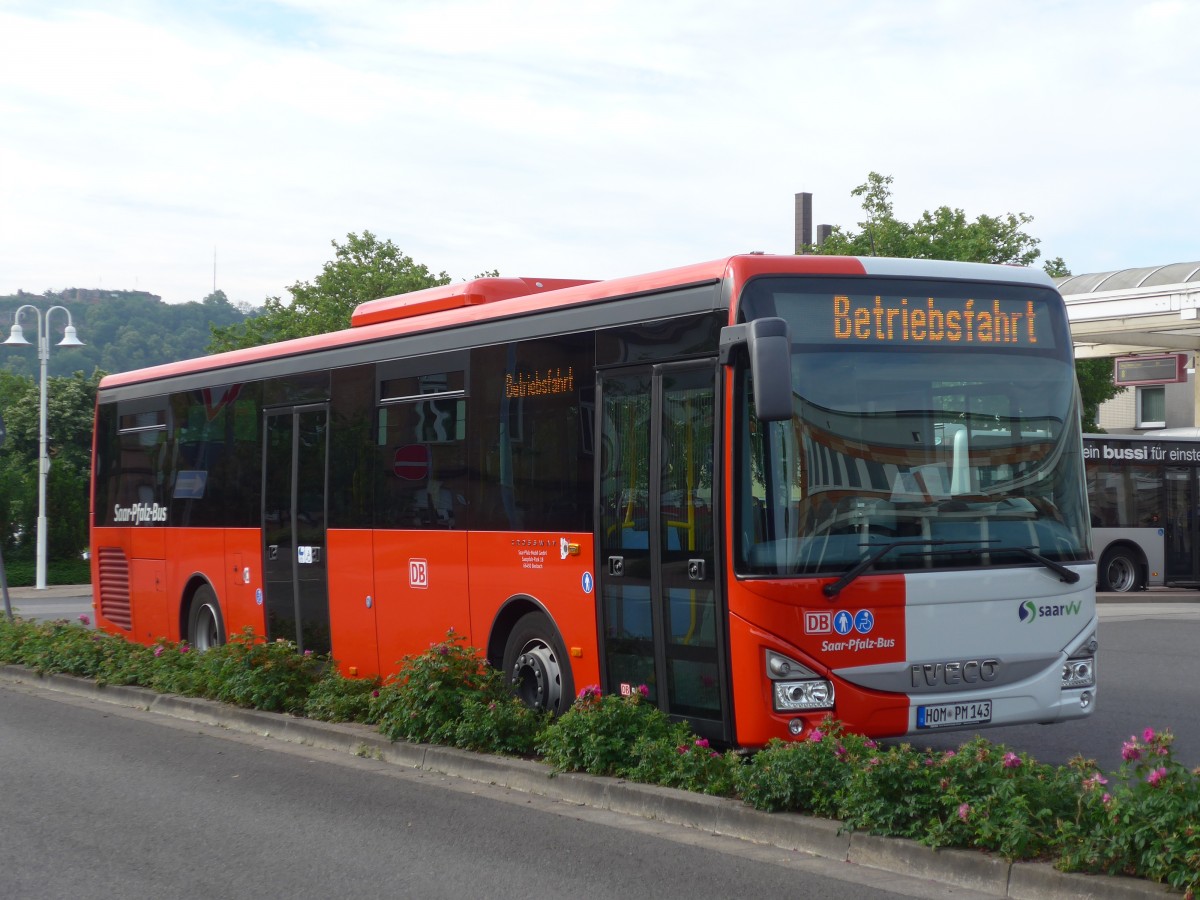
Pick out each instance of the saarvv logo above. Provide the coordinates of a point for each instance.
(1028, 611)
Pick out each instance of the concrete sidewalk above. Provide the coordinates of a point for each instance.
(51, 592)
(825, 838)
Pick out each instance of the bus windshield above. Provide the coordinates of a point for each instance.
(936, 417)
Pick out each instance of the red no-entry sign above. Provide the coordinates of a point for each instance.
(412, 462)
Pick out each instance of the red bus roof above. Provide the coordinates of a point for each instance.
(493, 298)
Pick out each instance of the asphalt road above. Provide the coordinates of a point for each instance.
(102, 801)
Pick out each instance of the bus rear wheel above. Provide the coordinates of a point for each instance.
(1119, 572)
(536, 665)
(206, 629)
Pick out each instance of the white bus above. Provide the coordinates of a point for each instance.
(1143, 496)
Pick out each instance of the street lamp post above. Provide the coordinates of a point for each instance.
(16, 338)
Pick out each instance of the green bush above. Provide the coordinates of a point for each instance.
(808, 776)
(450, 695)
(1143, 820)
(598, 734)
(252, 672)
(21, 571)
(338, 699)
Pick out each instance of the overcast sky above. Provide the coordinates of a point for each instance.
(141, 138)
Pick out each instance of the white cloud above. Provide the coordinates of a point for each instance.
(567, 140)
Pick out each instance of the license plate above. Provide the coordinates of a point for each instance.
(952, 715)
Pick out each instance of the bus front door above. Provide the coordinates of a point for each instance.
(661, 613)
(293, 525)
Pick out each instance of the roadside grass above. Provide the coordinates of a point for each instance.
(1142, 820)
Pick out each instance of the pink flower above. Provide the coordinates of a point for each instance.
(1011, 761)
(870, 744)
(184, 648)
(840, 752)
(949, 754)
(1106, 798)
(1157, 775)
(84, 619)
(702, 742)
(591, 692)
(816, 735)
(158, 650)
(964, 811)
(1148, 735)
(374, 693)
(681, 749)
(643, 690)
(1093, 781)
(1130, 750)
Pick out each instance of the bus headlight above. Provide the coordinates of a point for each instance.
(1079, 673)
(797, 695)
(796, 686)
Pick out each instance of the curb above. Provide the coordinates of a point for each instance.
(717, 815)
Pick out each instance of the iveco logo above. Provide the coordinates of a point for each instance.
(966, 671)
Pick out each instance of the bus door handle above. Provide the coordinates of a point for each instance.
(273, 551)
(616, 566)
(696, 569)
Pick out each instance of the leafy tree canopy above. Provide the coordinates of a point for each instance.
(946, 233)
(363, 268)
(69, 403)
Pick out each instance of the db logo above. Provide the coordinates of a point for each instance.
(418, 573)
(818, 622)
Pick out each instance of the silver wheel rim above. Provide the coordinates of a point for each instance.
(206, 636)
(537, 677)
(1121, 574)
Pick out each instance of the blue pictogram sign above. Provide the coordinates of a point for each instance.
(842, 623)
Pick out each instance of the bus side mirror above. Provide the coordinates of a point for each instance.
(769, 344)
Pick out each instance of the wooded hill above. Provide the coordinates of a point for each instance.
(122, 330)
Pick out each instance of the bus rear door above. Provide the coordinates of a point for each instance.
(295, 479)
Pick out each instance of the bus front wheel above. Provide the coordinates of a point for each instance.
(1119, 572)
(537, 666)
(206, 629)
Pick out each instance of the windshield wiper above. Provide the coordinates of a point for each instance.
(834, 588)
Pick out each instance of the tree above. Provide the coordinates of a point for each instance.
(363, 268)
(70, 401)
(1095, 376)
(946, 233)
(122, 330)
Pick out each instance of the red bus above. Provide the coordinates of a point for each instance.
(769, 488)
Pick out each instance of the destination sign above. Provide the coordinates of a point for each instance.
(900, 320)
(538, 384)
(1168, 369)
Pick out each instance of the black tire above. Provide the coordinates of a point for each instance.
(1120, 572)
(206, 627)
(537, 666)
